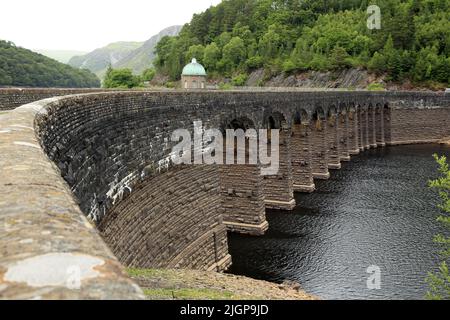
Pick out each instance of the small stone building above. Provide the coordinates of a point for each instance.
(193, 76)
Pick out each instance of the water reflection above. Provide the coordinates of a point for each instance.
(377, 210)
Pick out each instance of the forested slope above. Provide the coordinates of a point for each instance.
(25, 68)
(290, 36)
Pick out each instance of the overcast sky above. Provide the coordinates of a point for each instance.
(85, 25)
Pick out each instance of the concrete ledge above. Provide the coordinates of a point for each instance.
(221, 265)
(280, 205)
(46, 241)
(397, 143)
(305, 188)
(334, 166)
(11, 98)
(245, 228)
(374, 146)
(322, 176)
(346, 159)
(354, 152)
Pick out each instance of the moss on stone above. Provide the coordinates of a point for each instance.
(188, 294)
(182, 284)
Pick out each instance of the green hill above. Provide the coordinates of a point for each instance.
(22, 67)
(142, 58)
(237, 37)
(98, 60)
(62, 56)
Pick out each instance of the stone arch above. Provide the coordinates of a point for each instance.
(352, 132)
(319, 113)
(387, 122)
(300, 116)
(275, 120)
(238, 122)
(332, 137)
(278, 187)
(344, 131)
(379, 123)
(242, 194)
(363, 126)
(319, 157)
(372, 124)
(332, 110)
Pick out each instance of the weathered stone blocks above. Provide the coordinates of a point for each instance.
(319, 149)
(303, 180)
(334, 156)
(279, 188)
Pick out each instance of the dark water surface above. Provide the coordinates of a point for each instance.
(377, 210)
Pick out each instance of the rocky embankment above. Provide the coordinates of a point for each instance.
(349, 78)
(203, 285)
(445, 141)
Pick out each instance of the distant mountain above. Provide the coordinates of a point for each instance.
(142, 58)
(25, 68)
(137, 56)
(98, 60)
(60, 55)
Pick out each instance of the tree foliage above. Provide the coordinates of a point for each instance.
(148, 74)
(25, 68)
(440, 282)
(121, 78)
(237, 36)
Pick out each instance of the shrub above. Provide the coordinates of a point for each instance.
(239, 80)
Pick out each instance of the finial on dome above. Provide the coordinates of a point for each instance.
(194, 60)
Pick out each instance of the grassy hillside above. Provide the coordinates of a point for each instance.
(22, 67)
(287, 37)
(142, 58)
(98, 60)
(62, 56)
(209, 285)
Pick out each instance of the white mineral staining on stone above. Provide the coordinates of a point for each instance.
(164, 164)
(117, 188)
(26, 241)
(26, 144)
(53, 269)
(94, 210)
(21, 126)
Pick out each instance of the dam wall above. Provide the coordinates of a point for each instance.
(89, 177)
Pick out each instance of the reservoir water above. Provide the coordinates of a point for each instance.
(376, 211)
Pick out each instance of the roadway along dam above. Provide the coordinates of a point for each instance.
(87, 180)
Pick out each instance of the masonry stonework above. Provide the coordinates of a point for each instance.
(344, 136)
(419, 125)
(320, 150)
(279, 188)
(303, 180)
(97, 172)
(11, 98)
(242, 199)
(171, 220)
(334, 156)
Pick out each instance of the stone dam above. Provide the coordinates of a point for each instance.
(88, 187)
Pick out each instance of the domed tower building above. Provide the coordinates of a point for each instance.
(193, 76)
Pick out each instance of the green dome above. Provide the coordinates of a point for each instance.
(194, 69)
